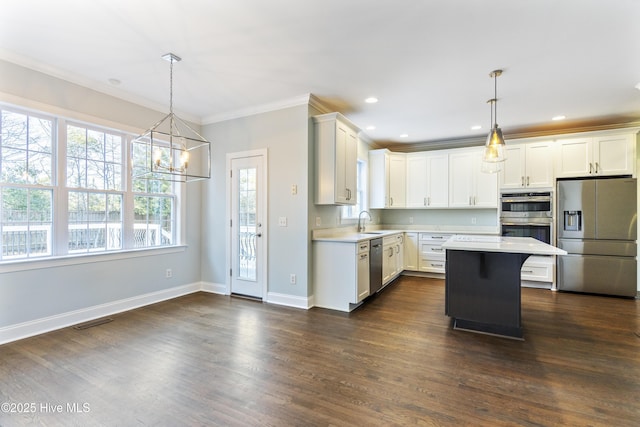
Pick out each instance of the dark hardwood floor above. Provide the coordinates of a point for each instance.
(207, 359)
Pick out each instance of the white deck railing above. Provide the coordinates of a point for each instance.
(20, 241)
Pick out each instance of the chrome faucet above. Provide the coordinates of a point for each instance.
(360, 224)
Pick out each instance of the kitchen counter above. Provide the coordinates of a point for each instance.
(349, 235)
(482, 282)
(353, 236)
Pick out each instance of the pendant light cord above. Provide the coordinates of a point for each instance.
(495, 96)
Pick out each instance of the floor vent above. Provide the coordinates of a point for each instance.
(92, 323)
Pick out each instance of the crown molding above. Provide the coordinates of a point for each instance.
(258, 109)
(599, 125)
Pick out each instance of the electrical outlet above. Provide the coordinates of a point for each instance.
(473, 220)
(292, 279)
(410, 220)
(282, 221)
(318, 221)
(294, 189)
(168, 273)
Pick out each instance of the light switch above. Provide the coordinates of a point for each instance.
(282, 221)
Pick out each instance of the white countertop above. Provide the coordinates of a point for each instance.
(524, 245)
(354, 237)
(349, 235)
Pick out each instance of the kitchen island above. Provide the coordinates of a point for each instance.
(482, 281)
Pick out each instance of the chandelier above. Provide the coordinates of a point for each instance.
(170, 149)
(494, 155)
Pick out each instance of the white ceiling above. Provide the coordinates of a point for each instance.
(428, 61)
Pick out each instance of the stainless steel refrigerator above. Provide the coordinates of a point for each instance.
(597, 227)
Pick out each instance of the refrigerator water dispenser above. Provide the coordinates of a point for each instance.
(572, 220)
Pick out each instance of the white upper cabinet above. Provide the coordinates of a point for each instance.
(387, 179)
(528, 165)
(469, 187)
(596, 156)
(428, 180)
(336, 154)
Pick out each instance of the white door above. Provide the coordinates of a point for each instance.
(248, 226)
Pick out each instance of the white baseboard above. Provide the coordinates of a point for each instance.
(59, 321)
(214, 288)
(290, 300)
(64, 320)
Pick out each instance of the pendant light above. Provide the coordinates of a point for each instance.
(171, 150)
(494, 153)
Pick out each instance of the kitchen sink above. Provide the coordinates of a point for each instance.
(371, 232)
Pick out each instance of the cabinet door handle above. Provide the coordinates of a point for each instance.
(424, 202)
(429, 201)
(390, 201)
(590, 167)
(470, 200)
(436, 265)
(597, 166)
(527, 181)
(522, 180)
(527, 271)
(436, 249)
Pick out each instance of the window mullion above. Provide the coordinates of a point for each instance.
(128, 205)
(61, 216)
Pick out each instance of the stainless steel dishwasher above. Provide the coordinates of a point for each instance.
(375, 266)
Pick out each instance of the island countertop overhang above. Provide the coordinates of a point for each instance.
(523, 245)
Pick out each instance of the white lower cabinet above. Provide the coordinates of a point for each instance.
(392, 257)
(411, 251)
(538, 269)
(432, 255)
(340, 274)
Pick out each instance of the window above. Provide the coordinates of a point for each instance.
(94, 179)
(352, 212)
(26, 185)
(72, 196)
(154, 207)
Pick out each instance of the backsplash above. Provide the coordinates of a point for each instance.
(441, 217)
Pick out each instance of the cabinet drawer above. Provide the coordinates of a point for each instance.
(363, 247)
(432, 251)
(537, 272)
(434, 237)
(432, 265)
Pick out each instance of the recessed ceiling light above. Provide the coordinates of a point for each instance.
(371, 100)
(556, 118)
(404, 135)
(114, 82)
(476, 127)
(371, 128)
(638, 86)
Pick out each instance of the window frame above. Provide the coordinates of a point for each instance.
(350, 213)
(60, 254)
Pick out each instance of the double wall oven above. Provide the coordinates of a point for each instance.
(527, 215)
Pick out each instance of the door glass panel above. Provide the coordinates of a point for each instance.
(247, 226)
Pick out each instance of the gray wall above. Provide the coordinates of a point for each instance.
(285, 135)
(39, 293)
